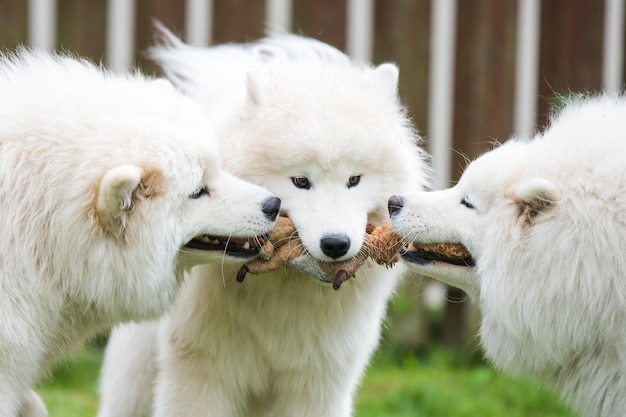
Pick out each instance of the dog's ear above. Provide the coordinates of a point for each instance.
(118, 192)
(254, 83)
(163, 85)
(535, 197)
(388, 74)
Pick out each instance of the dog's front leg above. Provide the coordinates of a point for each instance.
(312, 402)
(190, 388)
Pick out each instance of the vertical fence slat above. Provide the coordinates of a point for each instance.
(198, 22)
(120, 34)
(612, 65)
(359, 29)
(278, 16)
(42, 17)
(526, 68)
(441, 91)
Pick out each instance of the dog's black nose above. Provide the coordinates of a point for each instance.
(395, 204)
(335, 246)
(271, 207)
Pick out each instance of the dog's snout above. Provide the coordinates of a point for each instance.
(395, 204)
(271, 207)
(335, 246)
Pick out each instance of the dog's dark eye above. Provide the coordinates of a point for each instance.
(301, 182)
(353, 181)
(466, 203)
(200, 192)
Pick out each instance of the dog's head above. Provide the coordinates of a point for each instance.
(332, 144)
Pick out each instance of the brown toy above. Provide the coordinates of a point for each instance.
(382, 245)
(451, 251)
(283, 245)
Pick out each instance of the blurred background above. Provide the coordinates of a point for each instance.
(472, 72)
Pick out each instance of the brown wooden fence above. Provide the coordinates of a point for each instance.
(571, 45)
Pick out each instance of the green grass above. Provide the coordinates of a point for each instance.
(73, 388)
(436, 384)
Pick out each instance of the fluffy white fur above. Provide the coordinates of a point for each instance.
(545, 220)
(282, 343)
(96, 173)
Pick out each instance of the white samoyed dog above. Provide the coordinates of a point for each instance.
(331, 139)
(109, 189)
(545, 223)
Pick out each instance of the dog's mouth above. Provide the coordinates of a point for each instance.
(243, 247)
(449, 253)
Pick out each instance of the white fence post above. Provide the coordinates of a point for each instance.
(359, 29)
(526, 68)
(278, 16)
(42, 23)
(612, 63)
(441, 88)
(120, 34)
(198, 22)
